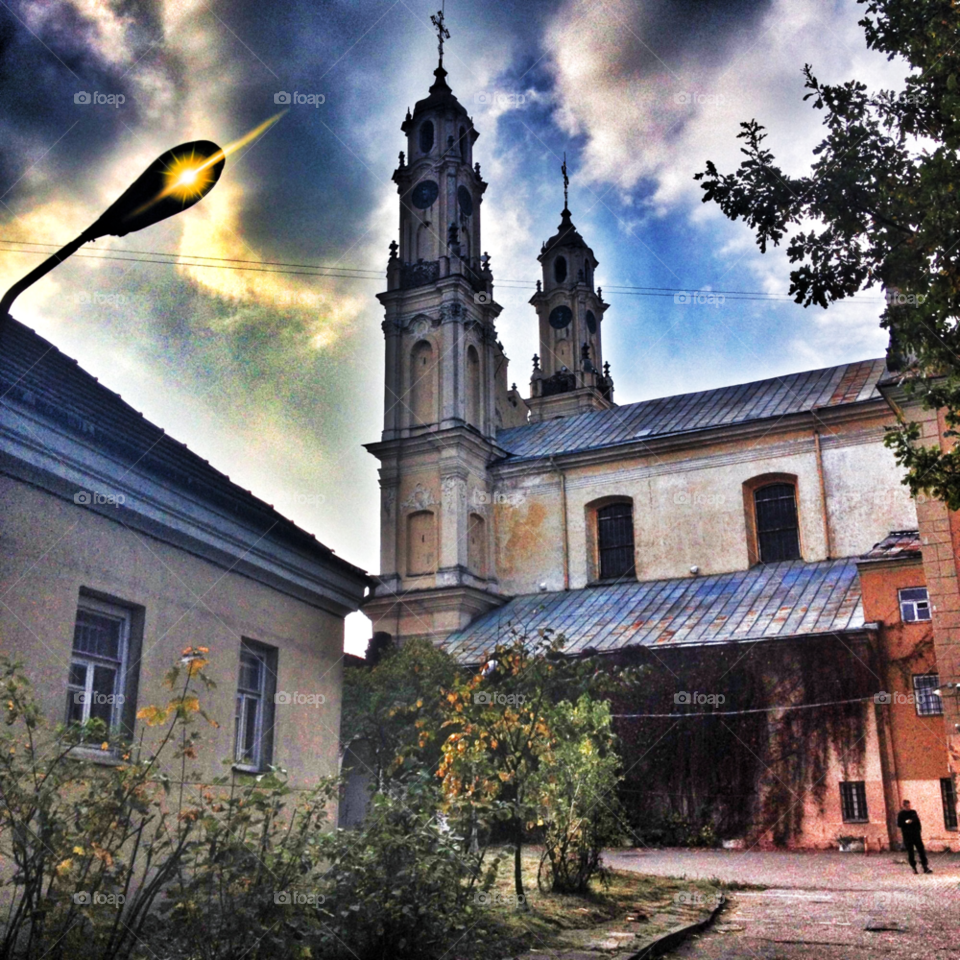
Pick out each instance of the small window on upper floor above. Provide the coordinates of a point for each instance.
(560, 269)
(463, 144)
(615, 541)
(426, 136)
(778, 531)
(914, 604)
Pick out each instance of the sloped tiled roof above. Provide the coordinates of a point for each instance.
(35, 374)
(897, 543)
(766, 602)
(690, 412)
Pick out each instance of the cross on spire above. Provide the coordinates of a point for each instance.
(442, 32)
(566, 180)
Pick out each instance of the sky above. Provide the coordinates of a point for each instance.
(275, 374)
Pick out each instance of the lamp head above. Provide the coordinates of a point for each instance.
(174, 181)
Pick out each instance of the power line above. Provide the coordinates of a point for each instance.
(364, 273)
(733, 713)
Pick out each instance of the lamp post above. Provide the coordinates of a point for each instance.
(175, 181)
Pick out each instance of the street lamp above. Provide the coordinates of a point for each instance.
(174, 181)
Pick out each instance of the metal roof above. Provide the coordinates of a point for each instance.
(689, 412)
(765, 602)
(896, 544)
(35, 374)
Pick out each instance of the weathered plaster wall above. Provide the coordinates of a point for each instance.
(51, 548)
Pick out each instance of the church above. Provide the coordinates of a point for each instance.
(751, 546)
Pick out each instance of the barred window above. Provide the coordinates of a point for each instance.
(615, 541)
(778, 533)
(95, 683)
(925, 694)
(914, 604)
(853, 801)
(948, 793)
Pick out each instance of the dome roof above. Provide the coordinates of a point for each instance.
(441, 97)
(567, 235)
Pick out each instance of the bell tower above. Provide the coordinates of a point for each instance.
(446, 384)
(569, 375)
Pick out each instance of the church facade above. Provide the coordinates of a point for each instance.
(761, 527)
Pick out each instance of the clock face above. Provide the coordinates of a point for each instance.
(591, 322)
(424, 194)
(560, 317)
(465, 201)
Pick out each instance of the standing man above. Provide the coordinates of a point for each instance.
(909, 823)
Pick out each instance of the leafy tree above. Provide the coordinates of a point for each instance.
(383, 705)
(504, 730)
(878, 208)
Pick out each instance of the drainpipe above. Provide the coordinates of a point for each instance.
(563, 523)
(823, 485)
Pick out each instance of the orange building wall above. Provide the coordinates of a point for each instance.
(914, 748)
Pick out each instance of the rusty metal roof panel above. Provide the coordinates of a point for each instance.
(765, 602)
(690, 412)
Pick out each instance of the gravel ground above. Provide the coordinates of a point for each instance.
(818, 904)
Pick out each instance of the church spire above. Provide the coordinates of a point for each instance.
(566, 184)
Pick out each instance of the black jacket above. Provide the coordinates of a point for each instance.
(909, 823)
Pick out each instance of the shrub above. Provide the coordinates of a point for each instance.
(402, 885)
(579, 813)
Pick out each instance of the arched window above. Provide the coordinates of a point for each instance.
(477, 545)
(615, 541)
(421, 543)
(778, 530)
(473, 386)
(426, 136)
(560, 269)
(422, 392)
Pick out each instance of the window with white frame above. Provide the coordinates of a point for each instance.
(914, 604)
(98, 663)
(253, 724)
(925, 694)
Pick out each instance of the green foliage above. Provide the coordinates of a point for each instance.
(577, 796)
(87, 847)
(388, 704)
(882, 193)
(402, 885)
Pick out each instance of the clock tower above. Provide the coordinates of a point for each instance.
(569, 375)
(446, 384)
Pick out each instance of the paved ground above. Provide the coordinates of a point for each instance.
(817, 905)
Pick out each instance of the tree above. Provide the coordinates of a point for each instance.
(383, 704)
(882, 202)
(505, 727)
